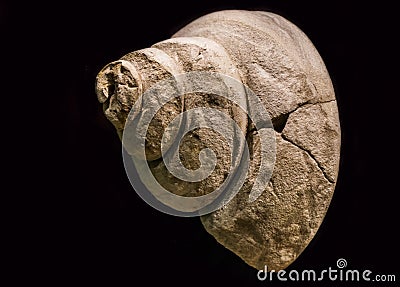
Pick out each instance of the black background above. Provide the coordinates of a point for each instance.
(92, 224)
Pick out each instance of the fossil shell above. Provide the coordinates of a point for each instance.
(277, 61)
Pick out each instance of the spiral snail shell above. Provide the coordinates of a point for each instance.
(297, 143)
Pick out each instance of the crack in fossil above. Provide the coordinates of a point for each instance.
(311, 104)
(310, 154)
(279, 122)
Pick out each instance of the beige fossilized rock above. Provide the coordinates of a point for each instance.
(280, 65)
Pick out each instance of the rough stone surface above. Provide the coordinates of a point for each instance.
(279, 63)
